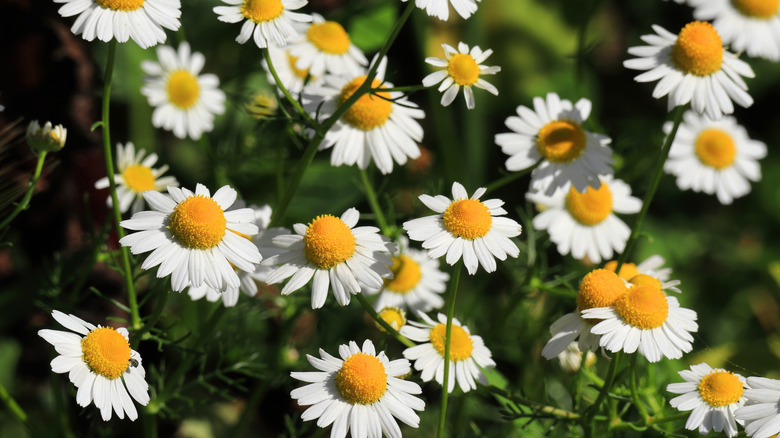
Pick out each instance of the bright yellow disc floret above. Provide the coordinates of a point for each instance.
(393, 316)
(644, 307)
(138, 178)
(715, 148)
(406, 275)
(106, 352)
(467, 218)
(328, 242)
(260, 11)
(463, 69)
(599, 288)
(369, 111)
(198, 222)
(592, 207)
(627, 270)
(698, 49)
(183, 89)
(362, 379)
(330, 37)
(757, 8)
(720, 388)
(121, 5)
(461, 344)
(561, 141)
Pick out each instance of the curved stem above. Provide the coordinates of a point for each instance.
(12, 405)
(372, 200)
(388, 328)
(313, 123)
(609, 380)
(22, 205)
(445, 383)
(535, 406)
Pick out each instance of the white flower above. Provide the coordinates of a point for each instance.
(467, 352)
(441, 8)
(712, 395)
(571, 358)
(185, 101)
(363, 392)
(417, 282)
(335, 254)
(135, 175)
(141, 20)
(269, 22)
(692, 67)
(745, 25)
(192, 237)
(552, 132)
(48, 138)
(463, 69)
(379, 126)
(466, 227)
(326, 48)
(291, 77)
(714, 157)
(100, 362)
(761, 412)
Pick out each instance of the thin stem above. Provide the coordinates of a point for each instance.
(405, 89)
(22, 205)
(495, 185)
(659, 167)
(12, 405)
(445, 383)
(388, 328)
(535, 406)
(135, 318)
(152, 321)
(635, 393)
(62, 413)
(313, 123)
(653, 421)
(608, 382)
(372, 200)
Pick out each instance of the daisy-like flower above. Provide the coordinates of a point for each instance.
(584, 224)
(269, 22)
(48, 138)
(761, 412)
(713, 395)
(441, 8)
(141, 20)
(467, 352)
(599, 288)
(193, 238)
(135, 176)
(332, 252)
(650, 267)
(292, 78)
(185, 101)
(714, 157)
(463, 68)
(326, 48)
(362, 392)
(693, 67)
(466, 227)
(379, 126)
(646, 320)
(571, 358)
(416, 284)
(752, 26)
(552, 132)
(395, 317)
(100, 362)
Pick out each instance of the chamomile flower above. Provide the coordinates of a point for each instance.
(361, 392)
(467, 352)
(268, 22)
(570, 359)
(334, 253)
(761, 412)
(326, 48)
(141, 20)
(395, 317)
(712, 395)
(645, 320)
(135, 176)
(46, 138)
(714, 157)
(693, 67)
(185, 101)
(466, 227)
(745, 25)
(584, 224)
(463, 69)
(441, 8)
(100, 362)
(598, 288)
(650, 267)
(552, 133)
(380, 126)
(417, 282)
(193, 237)
(291, 77)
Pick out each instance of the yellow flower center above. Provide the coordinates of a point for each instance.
(138, 178)
(460, 341)
(393, 316)
(698, 49)
(467, 218)
(627, 270)
(106, 352)
(369, 111)
(362, 379)
(644, 307)
(645, 280)
(260, 11)
(463, 69)
(406, 275)
(720, 388)
(120, 5)
(561, 141)
(183, 89)
(300, 72)
(715, 148)
(198, 222)
(757, 8)
(328, 242)
(599, 288)
(591, 207)
(329, 37)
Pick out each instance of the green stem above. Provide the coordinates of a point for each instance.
(372, 200)
(135, 318)
(535, 406)
(22, 205)
(608, 382)
(313, 123)
(652, 421)
(406, 89)
(393, 332)
(445, 383)
(635, 393)
(62, 412)
(658, 172)
(495, 185)
(12, 406)
(142, 334)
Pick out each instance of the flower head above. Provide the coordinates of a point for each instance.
(761, 412)
(47, 138)
(462, 69)
(441, 8)
(750, 26)
(292, 78)
(326, 48)
(650, 269)
(269, 22)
